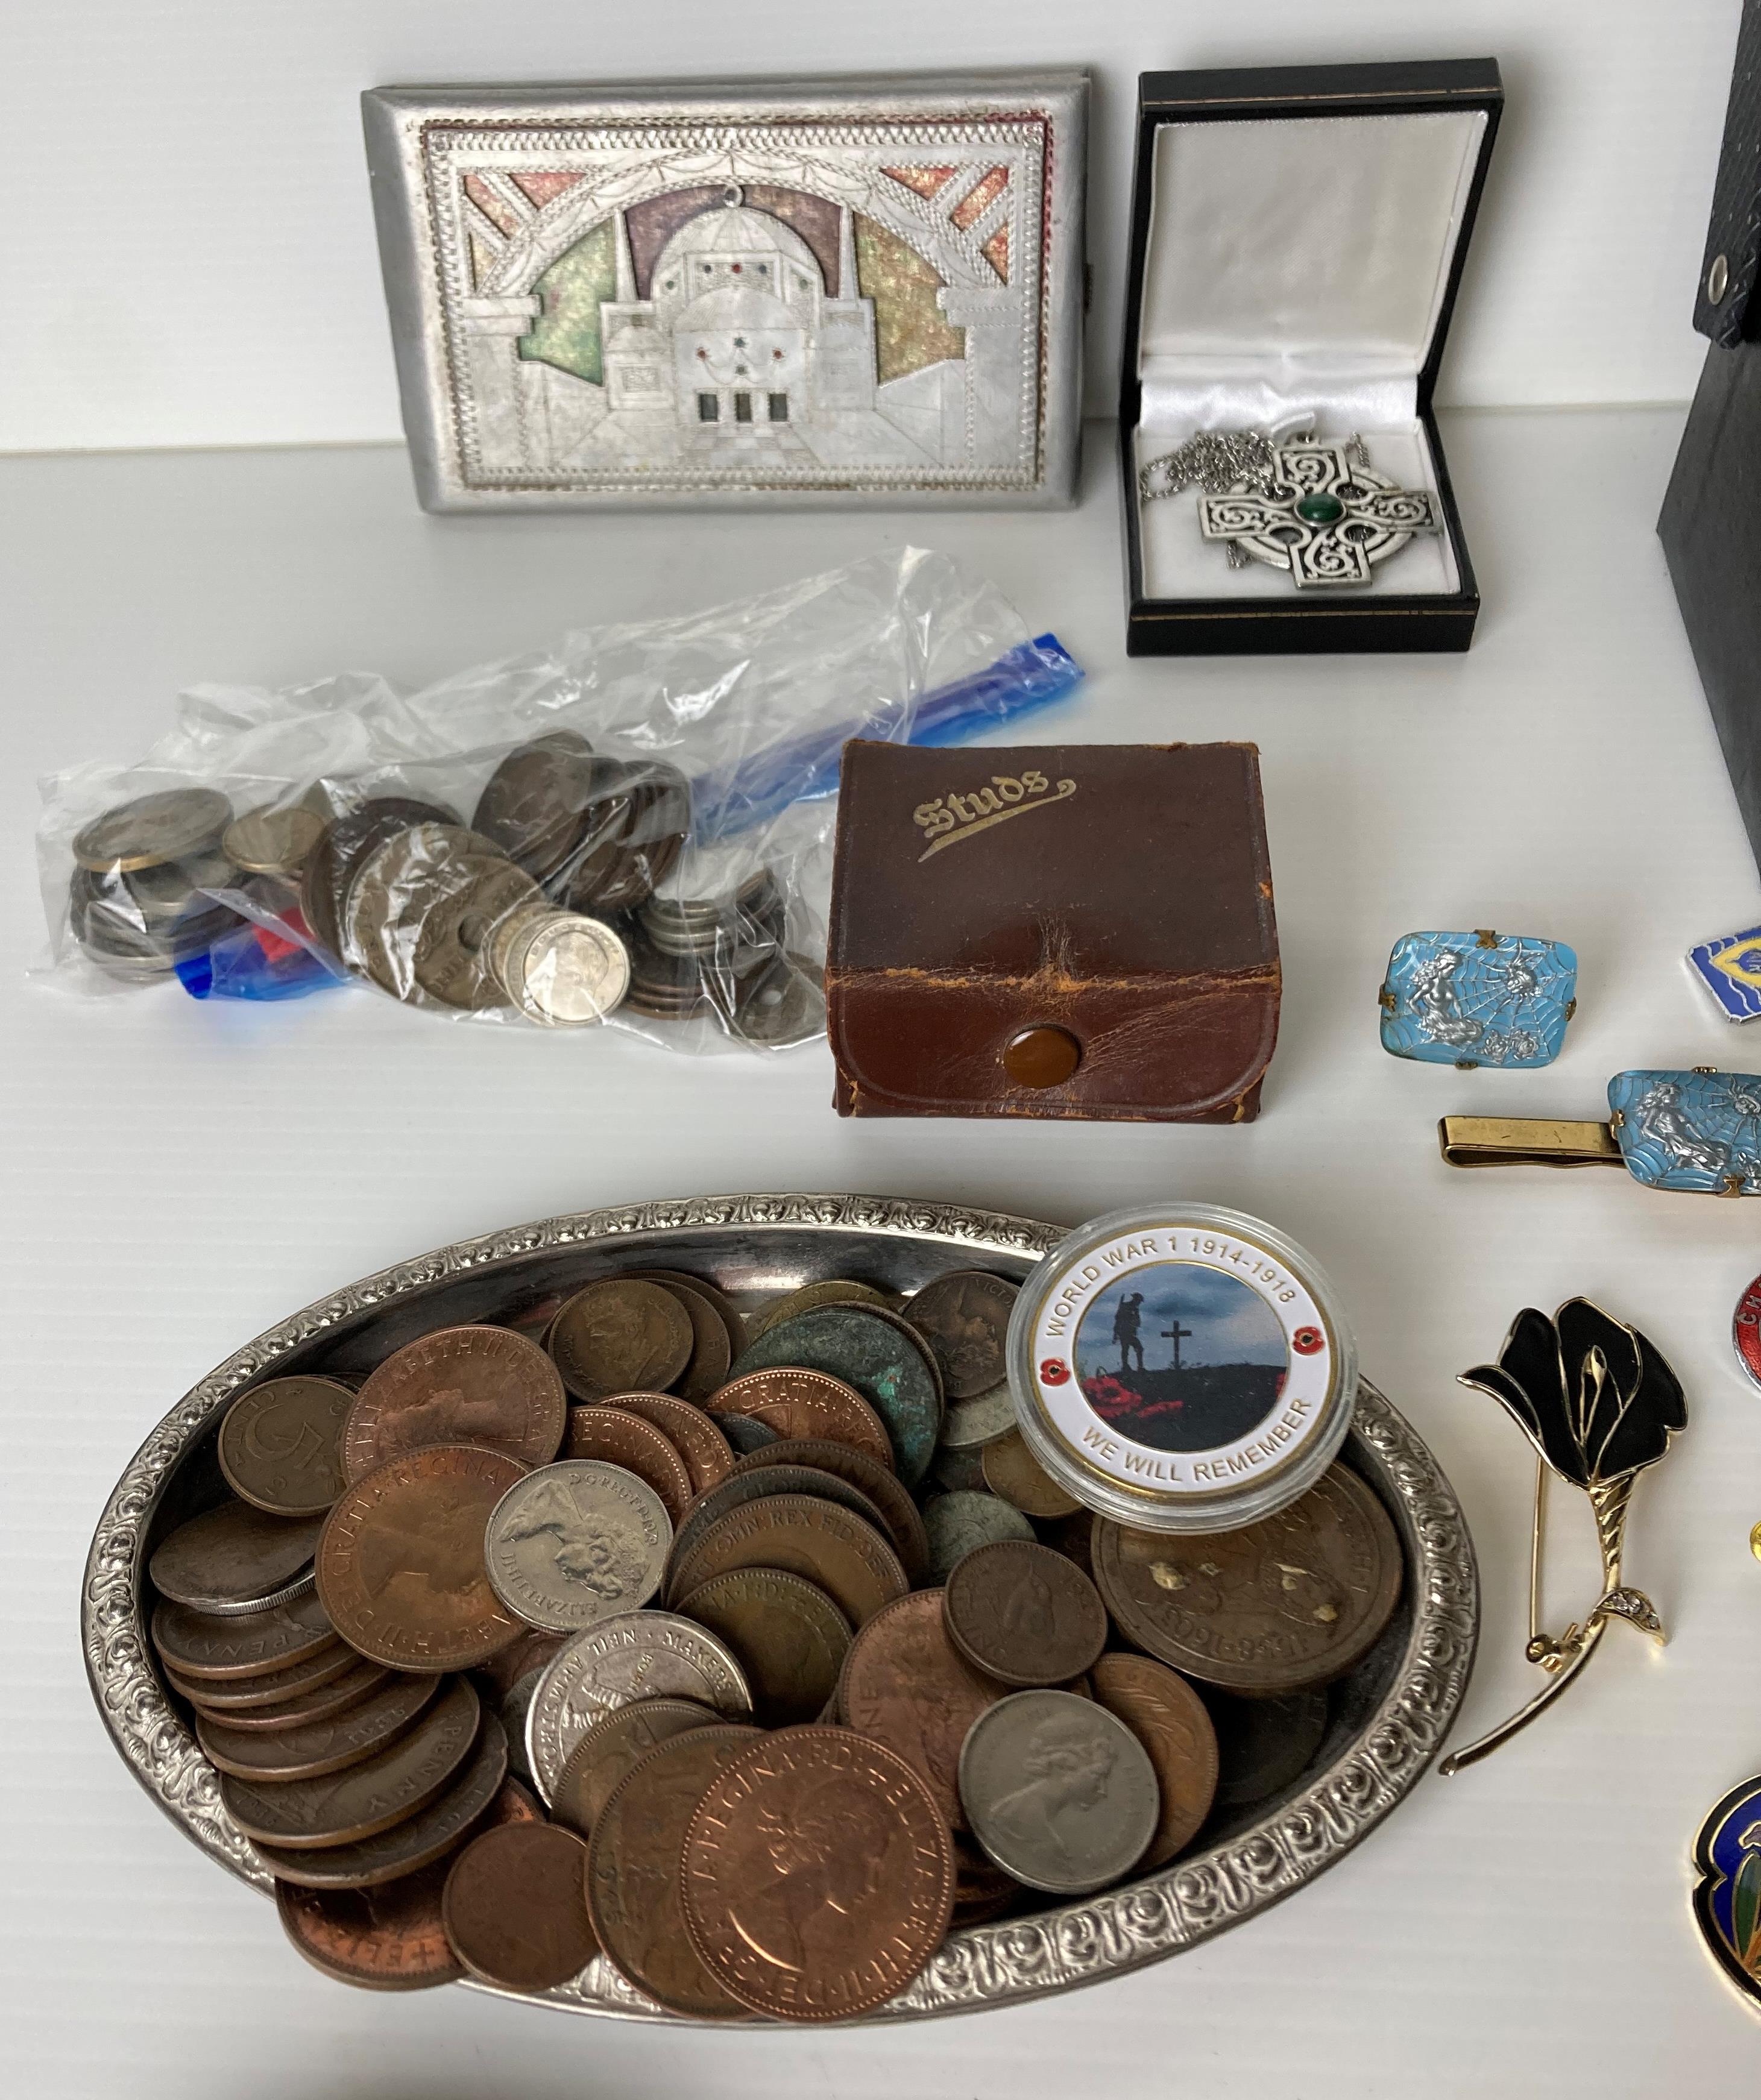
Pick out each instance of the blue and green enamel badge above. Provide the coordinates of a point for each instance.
(1468, 999)
(1726, 1897)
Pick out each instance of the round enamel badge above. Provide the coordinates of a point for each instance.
(1745, 1330)
(1181, 1368)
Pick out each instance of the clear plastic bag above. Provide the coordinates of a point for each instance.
(634, 826)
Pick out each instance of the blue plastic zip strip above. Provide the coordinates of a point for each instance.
(1032, 675)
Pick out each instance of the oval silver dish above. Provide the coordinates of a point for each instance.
(1389, 1717)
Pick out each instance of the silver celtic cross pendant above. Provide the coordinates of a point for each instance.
(1320, 511)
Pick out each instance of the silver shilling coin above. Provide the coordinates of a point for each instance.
(637, 1655)
(1058, 1791)
(576, 1543)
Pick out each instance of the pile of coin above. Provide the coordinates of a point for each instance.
(701, 946)
(557, 901)
(782, 1707)
(136, 903)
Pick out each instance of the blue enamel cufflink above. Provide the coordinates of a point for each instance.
(1468, 999)
(1697, 1132)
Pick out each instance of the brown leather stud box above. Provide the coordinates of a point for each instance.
(1075, 930)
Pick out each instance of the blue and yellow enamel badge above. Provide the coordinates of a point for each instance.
(1730, 969)
(1726, 1897)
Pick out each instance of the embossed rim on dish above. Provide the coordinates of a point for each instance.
(980, 1966)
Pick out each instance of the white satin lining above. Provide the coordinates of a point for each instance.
(1179, 563)
(1297, 269)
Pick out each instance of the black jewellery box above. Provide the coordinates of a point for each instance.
(1298, 234)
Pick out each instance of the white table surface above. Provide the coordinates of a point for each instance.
(180, 1176)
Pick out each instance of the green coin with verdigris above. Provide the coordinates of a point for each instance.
(879, 1357)
(960, 1522)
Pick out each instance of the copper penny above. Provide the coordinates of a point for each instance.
(633, 1869)
(620, 1438)
(515, 1909)
(390, 1938)
(964, 1317)
(905, 1684)
(787, 1635)
(459, 1385)
(743, 1435)
(1168, 1718)
(731, 1320)
(1282, 1605)
(302, 1814)
(835, 1291)
(959, 1471)
(400, 1561)
(1024, 1614)
(742, 1487)
(848, 1559)
(235, 1559)
(430, 1834)
(311, 1749)
(712, 1350)
(818, 1875)
(802, 1405)
(504, 1670)
(328, 1684)
(1074, 1538)
(621, 1336)
(244, 1644)
(281, 1445)
(981, 1890)
(614, 1745)
(1011, 1471)
(709, 1456)
(873, 1350)
(879, 1483)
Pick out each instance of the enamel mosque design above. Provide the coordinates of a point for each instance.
(759, 313)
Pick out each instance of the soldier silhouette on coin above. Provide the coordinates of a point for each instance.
(1067, 1764)
(1126, 1324)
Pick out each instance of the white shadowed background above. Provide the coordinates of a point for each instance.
(189, 259)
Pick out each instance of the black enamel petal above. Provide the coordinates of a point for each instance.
(1599, 1392)
(1531, 1358)
(1594, 1397)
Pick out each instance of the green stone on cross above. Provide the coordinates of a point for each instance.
(1320, 508)
(1320, 512)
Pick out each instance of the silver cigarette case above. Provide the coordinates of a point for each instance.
(855, 291)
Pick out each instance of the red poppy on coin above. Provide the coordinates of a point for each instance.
(1054, 1370)
(1306, 1340)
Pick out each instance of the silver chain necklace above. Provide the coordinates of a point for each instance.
(1217, 460)
(1314, 508)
